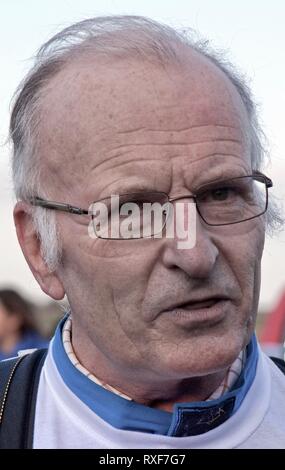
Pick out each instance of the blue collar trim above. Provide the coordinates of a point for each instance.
(187, 418)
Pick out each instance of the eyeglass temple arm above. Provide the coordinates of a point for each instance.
(37, 201)
(59, 206)
(268, 181)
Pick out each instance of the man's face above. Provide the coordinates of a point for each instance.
(133, 126)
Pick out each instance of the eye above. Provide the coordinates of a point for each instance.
(218, 194)
(138, 203)
(221, 194)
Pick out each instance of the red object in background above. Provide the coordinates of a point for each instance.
(273, 330)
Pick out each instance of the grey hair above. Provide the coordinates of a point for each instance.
(115, 37)
(46, 227)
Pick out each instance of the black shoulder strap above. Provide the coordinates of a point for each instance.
(279, 362)
(19, 378)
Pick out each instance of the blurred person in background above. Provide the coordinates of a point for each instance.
(17, 328)
(272, 334)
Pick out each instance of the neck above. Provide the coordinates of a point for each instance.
(147, 388)
(164, 394)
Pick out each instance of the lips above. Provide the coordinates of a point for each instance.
(197, 313)
(196, 304)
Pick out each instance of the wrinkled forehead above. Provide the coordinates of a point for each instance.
(93, 108)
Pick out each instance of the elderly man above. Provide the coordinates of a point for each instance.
(158, 348)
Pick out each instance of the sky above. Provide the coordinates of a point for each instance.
(252, 32)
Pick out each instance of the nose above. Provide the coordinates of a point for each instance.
(198, 261)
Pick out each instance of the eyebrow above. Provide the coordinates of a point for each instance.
(128, 189)
(222, 176)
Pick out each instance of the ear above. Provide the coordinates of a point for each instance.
(31, 247)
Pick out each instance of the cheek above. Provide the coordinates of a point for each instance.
(114, 275)
(129, 277)
(244, 253)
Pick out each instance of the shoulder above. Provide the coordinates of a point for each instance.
(280, 363)
(276, 369)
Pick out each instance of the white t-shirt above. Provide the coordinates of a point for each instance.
(63, 421)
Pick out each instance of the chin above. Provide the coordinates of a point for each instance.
(201, 356)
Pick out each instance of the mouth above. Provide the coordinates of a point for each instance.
(197, 305)
(204, 311)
